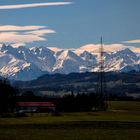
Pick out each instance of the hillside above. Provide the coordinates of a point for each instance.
(119, 83)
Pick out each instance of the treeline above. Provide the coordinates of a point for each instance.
(68, 103)
(81, 103)
(7, 94)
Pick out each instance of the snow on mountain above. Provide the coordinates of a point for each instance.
(23, 63)
(54, 49)
(46, 56)
(88, 57)
(27, 55)
(135, 67)
(67, 62)
(90, 61)
(28, 72)
(4, 59)
(13, 68)
(8, 49)
(121, 59)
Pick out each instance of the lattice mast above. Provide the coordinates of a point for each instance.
(101, 82)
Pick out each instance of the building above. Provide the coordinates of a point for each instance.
(25, 107)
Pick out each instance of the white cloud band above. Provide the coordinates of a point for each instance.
(14, 37)
(41, 32)
(132, 41)
(108, 48)
(18, 6)
(19, 28)
(23, 34)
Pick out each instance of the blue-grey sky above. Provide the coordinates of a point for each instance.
(70, 25)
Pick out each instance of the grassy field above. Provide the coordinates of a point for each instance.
(120, 122)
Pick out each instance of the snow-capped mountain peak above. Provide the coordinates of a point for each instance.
(23, 63)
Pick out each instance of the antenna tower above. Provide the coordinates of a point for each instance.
(101, 87)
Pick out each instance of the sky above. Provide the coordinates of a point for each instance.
(69, 23)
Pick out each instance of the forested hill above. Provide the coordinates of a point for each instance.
(129, 81)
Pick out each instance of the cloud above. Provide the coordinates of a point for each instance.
(132, 41)
(16, 45)
(42, 32)
(18, 6)
(23, 34)
(19, 28)
(15, 37)
(107, 47)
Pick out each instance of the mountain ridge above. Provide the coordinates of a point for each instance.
(25, 64)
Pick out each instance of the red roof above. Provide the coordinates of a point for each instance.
(36, 104)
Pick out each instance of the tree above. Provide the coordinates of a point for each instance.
(7, 92)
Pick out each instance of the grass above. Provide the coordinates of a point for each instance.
(120, 122)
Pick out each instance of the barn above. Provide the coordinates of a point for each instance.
(25, 107)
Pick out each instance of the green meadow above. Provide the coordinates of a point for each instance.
(120, 122)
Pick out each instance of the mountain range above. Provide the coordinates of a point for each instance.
(22, 63)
